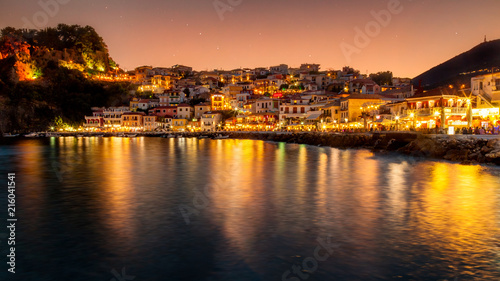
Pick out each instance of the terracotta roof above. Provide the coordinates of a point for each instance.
(134, 113)
(364, 96)
(443, 91)
(165, 107)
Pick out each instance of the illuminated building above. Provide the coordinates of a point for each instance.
(218, 102)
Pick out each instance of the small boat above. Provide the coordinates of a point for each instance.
(32, 135)
(219, 137)
(49, 135)
(202, 137)
(79, 136)
(171, 136)
(10, 135)
(99, 136)
(130, 136)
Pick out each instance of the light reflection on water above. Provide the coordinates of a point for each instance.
(118, 206)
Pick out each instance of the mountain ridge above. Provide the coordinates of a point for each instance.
(458, 70)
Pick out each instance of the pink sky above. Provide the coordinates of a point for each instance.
(418, 36)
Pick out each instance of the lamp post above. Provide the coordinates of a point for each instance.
(469, 113)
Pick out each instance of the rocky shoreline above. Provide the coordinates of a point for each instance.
(462, 149)
(465, 150)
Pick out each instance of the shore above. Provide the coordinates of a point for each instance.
(465, 149)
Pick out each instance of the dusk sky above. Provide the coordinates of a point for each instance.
(420, 35)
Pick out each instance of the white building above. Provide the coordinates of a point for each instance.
(210, 121)
(486, 88)
(267, 105)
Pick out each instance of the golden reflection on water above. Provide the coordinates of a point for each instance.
(116, 187)
(29, 177)
(460, 209)
(238, 189)
(261, 188)
(457, 211)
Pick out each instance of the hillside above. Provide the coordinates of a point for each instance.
(47, 75)
(458, 70)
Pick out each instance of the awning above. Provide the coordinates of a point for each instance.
(313, 116)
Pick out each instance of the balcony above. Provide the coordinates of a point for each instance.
(424, 111)
(456, 110)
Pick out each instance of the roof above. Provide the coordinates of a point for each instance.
(439, 92)
(334, 103)
(314, 115)
(364, 96)
(184, 105)
(134, 113)
(363, 81)
(165, 107)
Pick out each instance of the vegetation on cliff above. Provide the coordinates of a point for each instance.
(46, 74)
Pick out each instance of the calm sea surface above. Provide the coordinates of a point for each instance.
(188, 209)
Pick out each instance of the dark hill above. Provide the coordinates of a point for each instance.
(458, 70)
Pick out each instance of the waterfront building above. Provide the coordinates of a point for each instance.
(133, 120)
(178, 124)
(440, 107)
(211, 121)
(485, 101)
(113, 116)
(150, 123)
(351, 108)
(96, 120)
(331, 113)
(296, 110)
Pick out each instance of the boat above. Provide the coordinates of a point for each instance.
(170, 136)
(130, 136)
(219, 137)
(50, 135)
(79, 136)
(32, 135)
(99, 136)
(202, 137)
(10, 135)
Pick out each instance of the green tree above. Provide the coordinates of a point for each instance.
(382, 78)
